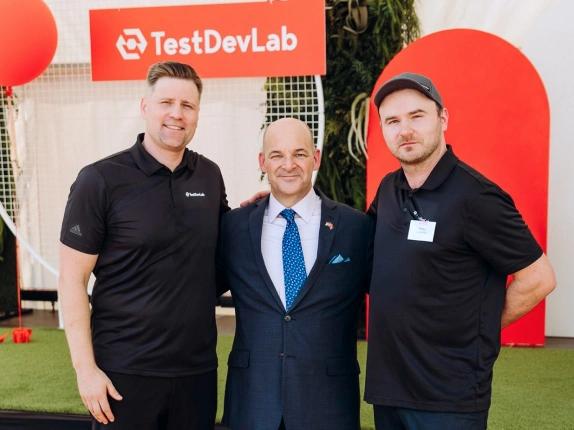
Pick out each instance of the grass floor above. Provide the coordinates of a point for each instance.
(533, 388)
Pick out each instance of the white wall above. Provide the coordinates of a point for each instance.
(548, 45)
(543, 31)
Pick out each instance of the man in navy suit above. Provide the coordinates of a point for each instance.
(297, 265)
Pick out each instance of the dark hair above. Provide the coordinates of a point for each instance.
(172, 69)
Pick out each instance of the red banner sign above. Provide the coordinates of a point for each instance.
(274, 38)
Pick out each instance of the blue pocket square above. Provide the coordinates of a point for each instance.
(339, 259)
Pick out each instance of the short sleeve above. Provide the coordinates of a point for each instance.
(495, 229)
(84, 224)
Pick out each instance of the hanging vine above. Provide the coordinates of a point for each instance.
(362, 37)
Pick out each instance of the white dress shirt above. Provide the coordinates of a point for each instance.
(308, 220)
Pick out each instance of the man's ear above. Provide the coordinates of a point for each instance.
(444, 119)
(316, 159)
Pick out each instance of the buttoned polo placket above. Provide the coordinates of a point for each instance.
(150, 166)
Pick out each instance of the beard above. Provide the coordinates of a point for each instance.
(420, 157)
(428, 149)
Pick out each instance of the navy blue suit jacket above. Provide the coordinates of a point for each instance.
(299, 365)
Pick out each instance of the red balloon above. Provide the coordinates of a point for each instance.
(28, 39)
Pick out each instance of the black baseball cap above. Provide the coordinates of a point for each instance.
(408, 80)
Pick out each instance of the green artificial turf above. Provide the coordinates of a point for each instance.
(533, 388)
(38, 376)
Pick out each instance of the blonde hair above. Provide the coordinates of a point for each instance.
(172, 69)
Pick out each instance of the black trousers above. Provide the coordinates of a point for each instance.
(391, 418)
(156, 403)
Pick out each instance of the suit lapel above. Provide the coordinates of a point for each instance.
(255, 229)
(327, 229)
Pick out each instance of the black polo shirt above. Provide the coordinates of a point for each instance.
(155, 233)
(435, 307)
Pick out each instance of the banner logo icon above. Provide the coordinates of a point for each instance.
(133, 45)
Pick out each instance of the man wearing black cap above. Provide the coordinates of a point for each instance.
(446, 240)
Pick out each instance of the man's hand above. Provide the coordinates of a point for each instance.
(257, 196)
(94, 387)
(93, 384)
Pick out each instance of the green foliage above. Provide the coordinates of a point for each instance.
(355, 60)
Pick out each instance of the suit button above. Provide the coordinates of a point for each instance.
(287, 318)
(282, 355)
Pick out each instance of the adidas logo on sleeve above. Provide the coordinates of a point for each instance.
(76, 230)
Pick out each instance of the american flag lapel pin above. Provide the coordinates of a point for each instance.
(329, 225)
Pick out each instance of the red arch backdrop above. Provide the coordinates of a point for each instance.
(499, 124)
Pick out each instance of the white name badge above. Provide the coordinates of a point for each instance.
(421, 230)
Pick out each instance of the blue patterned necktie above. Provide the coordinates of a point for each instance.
(294, 272)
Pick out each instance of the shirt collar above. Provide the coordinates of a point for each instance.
(439, 173)
(303, 208)
(149, 165)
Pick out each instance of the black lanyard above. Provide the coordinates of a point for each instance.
(413, 208)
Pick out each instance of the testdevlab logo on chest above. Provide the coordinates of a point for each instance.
(132, 43)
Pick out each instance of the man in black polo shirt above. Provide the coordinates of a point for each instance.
(446, 239)
(145, 222)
